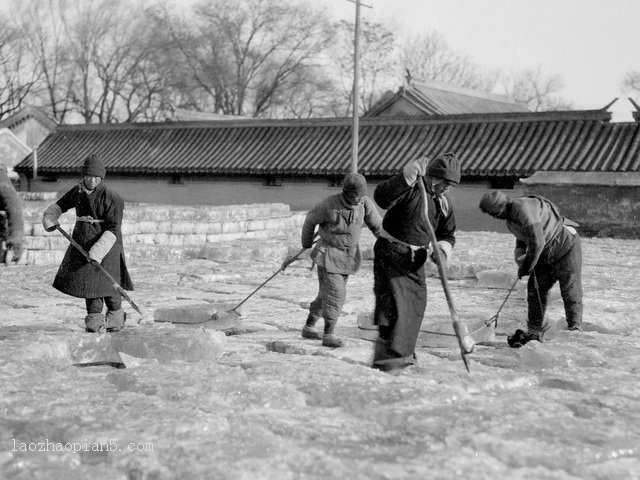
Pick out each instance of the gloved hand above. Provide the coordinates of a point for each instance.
(50, 223)
(522, 272)
(18, 249)
(100, 249)
(94, 256)
(443, 256)
(519, 254)
(416, 168)
(444, 249)
(287, 261)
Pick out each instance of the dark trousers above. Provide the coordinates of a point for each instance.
(95, 305)
(561, 261)
(332, 293)
(4, 229)
(401, 298)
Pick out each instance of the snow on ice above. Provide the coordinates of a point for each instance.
(176, 401)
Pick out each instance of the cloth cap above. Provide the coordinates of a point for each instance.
(354, 183)
(493, 202)
(93, 166)
(446, 167)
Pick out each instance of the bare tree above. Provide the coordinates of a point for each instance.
(429, 57)
(631, 84)
(311, 93)
(17, 75)
(114, 78)
(242, 56)
(117, 61)
(537, 90)
(378, 69)
(45, 42)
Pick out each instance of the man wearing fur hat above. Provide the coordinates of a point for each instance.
(11, 222)
(98, 230)
(339, 219)
(401, 251)
(548, 250)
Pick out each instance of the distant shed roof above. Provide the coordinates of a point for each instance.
(512, 144)
(436, 98)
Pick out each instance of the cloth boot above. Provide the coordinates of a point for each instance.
(390, 364)
(115, 320)
(94, 322)
(308, 331)
(331, 340)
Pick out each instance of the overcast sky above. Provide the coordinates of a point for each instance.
(589, 43)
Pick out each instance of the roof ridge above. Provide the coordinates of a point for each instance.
(470, 92)
(598, 115)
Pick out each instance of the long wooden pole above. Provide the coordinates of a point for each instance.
(102, 270)
(465, 340)
(355, 129)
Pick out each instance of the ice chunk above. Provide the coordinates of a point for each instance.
(536, 356)
(453, 270)
(161, 344)
(54, 352)
(92, 348)
(217, 317)
(132, 362)
(216, 253)
(174, 344)
(496, 278)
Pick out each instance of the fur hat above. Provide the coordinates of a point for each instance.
(446, 167)
(493, 203)
(93, 166)
(354, 183)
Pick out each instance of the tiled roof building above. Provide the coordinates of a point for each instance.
(576, 158)
(31, 125)
(489, 145)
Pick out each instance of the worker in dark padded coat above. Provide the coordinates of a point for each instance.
(98, 230)
(11, 221)
(402, 249)
(548, 250)
(339, 220)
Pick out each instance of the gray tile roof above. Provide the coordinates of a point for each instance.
(435, 98)
(508, 144)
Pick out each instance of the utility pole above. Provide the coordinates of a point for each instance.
(356, 60)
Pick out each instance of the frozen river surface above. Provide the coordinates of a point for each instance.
(266, 404)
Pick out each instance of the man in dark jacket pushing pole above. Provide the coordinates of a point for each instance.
(401, 251)
(548, 250)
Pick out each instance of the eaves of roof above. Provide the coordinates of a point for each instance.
(512, 144)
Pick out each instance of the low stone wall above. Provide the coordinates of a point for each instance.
(170, 232)
(605, 204)
(601, 211)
